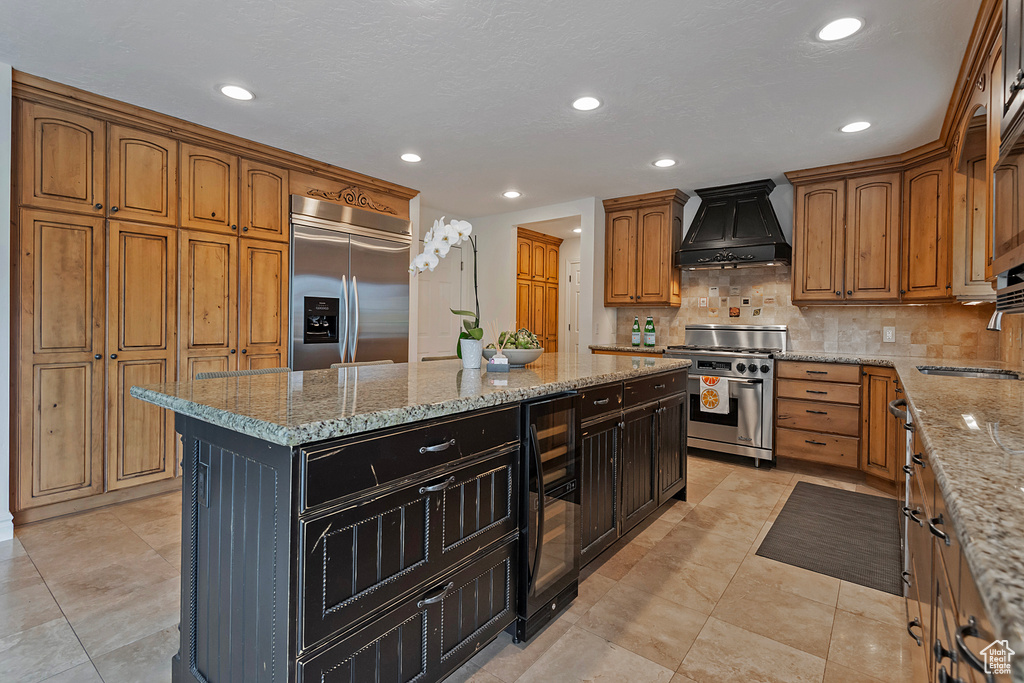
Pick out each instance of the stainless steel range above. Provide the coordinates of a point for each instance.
(738, 357)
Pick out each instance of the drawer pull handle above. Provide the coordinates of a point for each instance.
(435, 598)
(816, 443)
(659, 386)
(938, 521)
(912, 514)
(812, 391)
(916, 457)
(438, 487)
(818, 412)
(971, 630)
(816, 372)
(906, 578)
(601, 402)
(909, 470)
(438, 448)
(912, 624)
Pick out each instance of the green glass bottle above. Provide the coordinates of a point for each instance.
(649, 332)
(636, 331)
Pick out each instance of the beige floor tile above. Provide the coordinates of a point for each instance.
(92, 591)
(722, 654)
(871, 647)
(873, 604)
(130, 618)
(735, 524)
(750, 492)
(147, 659)
(834, 673)
(172, 553)
(508, 660)
(781, 576)
(94, 540)
(674, 511)
(470, 673)
(690, 585)
(654, 628)
(653, 532)
(580, 656)
(777, 614)
(40, 652)
(697, 491)
(620, 559)
(826, 481)
(16, 573)
(140, 512)
(697, 546)
(160, 532)
(26, 608)
(12, 548)
(680, 678)
(764, 474)
(592, 589)
(83, 673)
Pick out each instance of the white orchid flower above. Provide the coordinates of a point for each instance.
(464, 228)
(419, 263)
(441, 248)
(431, 261)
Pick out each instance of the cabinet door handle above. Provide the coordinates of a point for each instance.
(816, 443)
(817, 412)
(971, 630)
(432, 599)
(912, 624)
(601, 402)
(232, 351)
(849, 291)
(838, 293)
(909, 470)
(113, 355)
(906, 578)
(912, 514)
(816, 372)
(659, 386)
(438, 487)
(245, 228)
(941, 652)
(438, 448)
(97, 206)
(916, 457)
(936, 522)
(98, 356)
(812, 391)
(234, 227)
(113, 209)
(244, 351)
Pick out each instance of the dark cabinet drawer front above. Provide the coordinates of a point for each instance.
(431, 633)
(362, 558)
(338, 469)
(600, 400)
(654, 388)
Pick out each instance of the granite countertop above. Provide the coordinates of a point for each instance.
(301, 407)
(980, 472)
(626, 348)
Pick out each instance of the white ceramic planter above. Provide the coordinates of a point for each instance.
(472, 350)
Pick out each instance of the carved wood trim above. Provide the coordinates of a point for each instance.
(353, 196)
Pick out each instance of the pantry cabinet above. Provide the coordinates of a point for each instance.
(209, 189)
(209, 304)
(264, 206)
(537, 286)
(642, 234)
(143, 177)
(262, 304)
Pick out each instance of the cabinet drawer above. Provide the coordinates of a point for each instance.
(818, 417)
(431, 633)
(815, 447)
(337, 469)
(362, 558)
(822, 372)
(600, 400)
(819, 391)
(654, 388)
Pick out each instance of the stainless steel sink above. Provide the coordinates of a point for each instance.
(973, 373)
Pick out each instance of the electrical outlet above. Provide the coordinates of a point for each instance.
(889, 334)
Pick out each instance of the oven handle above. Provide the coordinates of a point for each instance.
(696, 378)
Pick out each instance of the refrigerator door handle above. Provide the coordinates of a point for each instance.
(538, 463)
(344, 337)
(355, 314)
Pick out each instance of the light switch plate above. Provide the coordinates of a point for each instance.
(889, 334)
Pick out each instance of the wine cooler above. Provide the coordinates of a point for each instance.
(550, 523)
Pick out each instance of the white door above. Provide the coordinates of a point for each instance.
(573, 307)
(439, 292)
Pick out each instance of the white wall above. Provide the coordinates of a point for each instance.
(6, 521)
(426, 308)
(497, 246)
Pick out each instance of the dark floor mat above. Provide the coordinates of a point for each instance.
(851, 536)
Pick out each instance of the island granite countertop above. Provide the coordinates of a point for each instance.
(302, 407)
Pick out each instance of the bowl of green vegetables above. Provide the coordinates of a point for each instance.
(521, 347)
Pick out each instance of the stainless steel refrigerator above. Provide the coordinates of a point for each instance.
(349, 285)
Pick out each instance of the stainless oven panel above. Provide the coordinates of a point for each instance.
(743, 424)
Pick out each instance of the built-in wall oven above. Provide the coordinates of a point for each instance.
(550, 526)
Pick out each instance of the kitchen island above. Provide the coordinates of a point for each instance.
(364, 523)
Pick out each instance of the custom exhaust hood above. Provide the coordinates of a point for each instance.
(735, 227)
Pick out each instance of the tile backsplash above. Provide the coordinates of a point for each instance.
(762, 297)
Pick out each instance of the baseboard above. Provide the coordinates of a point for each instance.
(6, 529)
(71, 507)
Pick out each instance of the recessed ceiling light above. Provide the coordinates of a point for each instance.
(511, 194)
(855, 127)
(840, 28)
(665, 163)
(577, 229)
(236, 92)
(586, 103)
(411, 158)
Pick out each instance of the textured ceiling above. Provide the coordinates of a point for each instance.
(734, 89)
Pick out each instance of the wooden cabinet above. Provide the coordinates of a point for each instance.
(141, 349)
(926, 244)
(671, 446)
(882, 440)
(143, 176)
(972, 208)
(1012, 66)
(642, 234)
(818, 419)
(61, 317)
(208, 282)
(209, 189)
(60, 160)
(537, 286)
(263, 304)
(264, 206)
(846, 240)
(638, 481)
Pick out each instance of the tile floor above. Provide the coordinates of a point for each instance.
(683, 598)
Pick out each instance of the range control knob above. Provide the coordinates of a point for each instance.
(765, 368)
(741, 367)
(753, 367)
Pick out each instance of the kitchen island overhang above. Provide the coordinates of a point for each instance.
(325, 524)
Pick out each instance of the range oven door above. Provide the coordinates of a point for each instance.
(741, 425)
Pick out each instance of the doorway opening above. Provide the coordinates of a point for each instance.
(545, 303)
